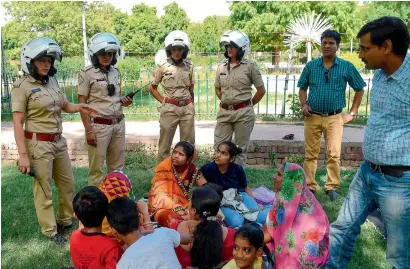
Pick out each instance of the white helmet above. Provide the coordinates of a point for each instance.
(37, 48)
(177, 39)
(160, 56)
(237, 39)
(101, 43)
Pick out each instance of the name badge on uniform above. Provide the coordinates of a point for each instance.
(223, 74)
(100, 79)
(35, 90)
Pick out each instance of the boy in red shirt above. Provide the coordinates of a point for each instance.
(90, 248)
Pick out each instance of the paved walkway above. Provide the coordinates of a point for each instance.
(148, 132)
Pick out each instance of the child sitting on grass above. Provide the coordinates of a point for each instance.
(249, 248)
(152, 251)
(89, 247)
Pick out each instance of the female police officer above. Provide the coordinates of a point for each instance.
(99, 86)
(37, 103)
(176, 77)
(233, 86)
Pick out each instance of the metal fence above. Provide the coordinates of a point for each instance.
(276, 103)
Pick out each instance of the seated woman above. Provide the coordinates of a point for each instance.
(226, 173)
(116, 184)
(297, 227)
(172, 184)
(212, 242)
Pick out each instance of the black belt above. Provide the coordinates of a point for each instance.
(394, 171)
(326, 114)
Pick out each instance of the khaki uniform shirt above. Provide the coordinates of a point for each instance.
(41, 104)
(93, 82)
(236, 83)
(175, 79)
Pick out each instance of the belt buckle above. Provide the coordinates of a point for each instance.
(230, 107)
(181, 103)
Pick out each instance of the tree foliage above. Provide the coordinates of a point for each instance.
(211, 30)
(265, 22)
(377, 9)
(175, 18)
(61, 21)
(143, 32)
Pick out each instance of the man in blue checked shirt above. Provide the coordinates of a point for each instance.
(383, 179)
(327, 78)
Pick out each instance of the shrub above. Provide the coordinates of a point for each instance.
(292, 158)
(352, 57)
(129, 68)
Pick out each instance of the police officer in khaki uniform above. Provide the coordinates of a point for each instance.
(233, 86)
(37, 103)
(99, 86)
(175, 74)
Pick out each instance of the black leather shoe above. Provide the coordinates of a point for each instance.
(63, 229)
(314, 192)
(59, 239)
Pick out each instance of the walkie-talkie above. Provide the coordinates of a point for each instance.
(131, 94)
(32, 173)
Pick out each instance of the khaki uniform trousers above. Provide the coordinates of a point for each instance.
(50, 160)
(332, 129)
(239, 122)
(110, 149)
(170, 117)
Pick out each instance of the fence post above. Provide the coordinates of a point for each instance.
(207, 89)
(276, 93)
(140, 93)
(149, 92)
(267, 96)
(199, 93)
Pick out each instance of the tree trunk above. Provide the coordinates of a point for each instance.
(309, 50)
(276, 57)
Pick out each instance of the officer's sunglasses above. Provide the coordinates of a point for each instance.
(327, 76)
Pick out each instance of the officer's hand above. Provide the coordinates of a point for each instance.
(91, 139)
(84, 108)
(126, 101)
(24, 164)
(306, 110)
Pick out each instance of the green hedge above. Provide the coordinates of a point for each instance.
(353, 58)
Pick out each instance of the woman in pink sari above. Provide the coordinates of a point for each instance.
(297, 227)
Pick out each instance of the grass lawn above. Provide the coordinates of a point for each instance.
(23, 246)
